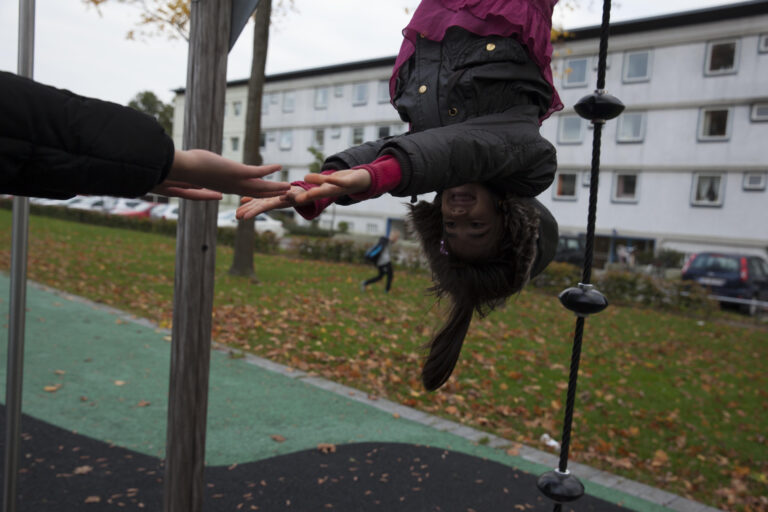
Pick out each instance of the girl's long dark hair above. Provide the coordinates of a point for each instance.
(472, 286)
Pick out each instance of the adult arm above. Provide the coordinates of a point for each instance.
(57, 144)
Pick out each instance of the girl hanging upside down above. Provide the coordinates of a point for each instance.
(473, 79)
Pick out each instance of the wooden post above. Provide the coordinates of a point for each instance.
(195, 260)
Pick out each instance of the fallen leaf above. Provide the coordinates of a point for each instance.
(92, 499)
(327, 447)
(83, 470)
(119, 383)
(660, 458)
(277, 438)
(143, 403)
(52, 389)
(59, 372)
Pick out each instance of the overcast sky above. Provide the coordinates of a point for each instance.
(78, 49)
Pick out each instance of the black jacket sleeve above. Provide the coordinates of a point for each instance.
(54, 143)
(502, 150)
(358, 155)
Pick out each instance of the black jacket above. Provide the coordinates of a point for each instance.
(474, 105)
(56, 144)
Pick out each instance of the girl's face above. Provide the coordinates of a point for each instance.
(471, 222)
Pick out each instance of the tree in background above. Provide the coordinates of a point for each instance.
(170, 18)
(150, 104)
(317, 163)
(242, 261)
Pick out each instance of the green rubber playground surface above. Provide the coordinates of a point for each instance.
(103, 375)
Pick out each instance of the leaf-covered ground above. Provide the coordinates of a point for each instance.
(675, 402)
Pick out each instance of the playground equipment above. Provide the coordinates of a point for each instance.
(559, 484)
(215, 26)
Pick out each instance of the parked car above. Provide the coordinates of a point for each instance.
(90, 203)
(739, 276)
(131, 207)
(263, 223)
(168, 211)
(570, 249)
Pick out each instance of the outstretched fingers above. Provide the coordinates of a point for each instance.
(254, 207)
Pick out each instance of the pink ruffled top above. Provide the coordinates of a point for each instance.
(529, 21)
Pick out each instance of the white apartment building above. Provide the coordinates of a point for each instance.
(685, 167)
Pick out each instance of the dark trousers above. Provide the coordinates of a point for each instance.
(385, 269)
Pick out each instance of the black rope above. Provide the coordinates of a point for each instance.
(588, 250)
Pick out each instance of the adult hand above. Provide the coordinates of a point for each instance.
(251, 207)
(185, 191)
(207, 170)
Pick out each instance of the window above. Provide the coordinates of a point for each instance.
(237, 107)
(754, 181)
(399, 129)
(762, 44)
(384, 131)
(637, 66)
(625, 187)
(357, 135)
(565, 185)
(284, 173)
(383, 91)
(319, 139)
(235, 141)
(264, 105)
(321, 98)
(262, 140)
(335, 132)
(286, 140)
(759, 112)
(360, 94)
(372, 228)
(338, 91)
(722, 57)
(586, 178)
(274, 98)
(713, 124)
(570, 131)
(575, 72)
(707, 189)
(631, 127)
(289, 101)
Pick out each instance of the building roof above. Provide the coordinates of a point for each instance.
(680, 19)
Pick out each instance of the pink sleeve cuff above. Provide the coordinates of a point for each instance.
(315, 208)
(385, 175)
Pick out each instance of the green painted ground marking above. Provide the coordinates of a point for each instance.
(112, 383)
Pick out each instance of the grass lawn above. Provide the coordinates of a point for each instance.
(679, 403)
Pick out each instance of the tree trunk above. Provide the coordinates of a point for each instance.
(242, 264)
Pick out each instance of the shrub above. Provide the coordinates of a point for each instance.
(557, 277)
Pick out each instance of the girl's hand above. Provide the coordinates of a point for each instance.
(337, 184)
(250, 207)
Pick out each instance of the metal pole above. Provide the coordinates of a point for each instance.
(18, 299)
(210, 22)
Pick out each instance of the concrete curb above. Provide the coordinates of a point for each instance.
(585, 473)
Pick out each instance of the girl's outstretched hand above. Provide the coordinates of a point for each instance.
(251, 207)
(200, 169)
(340, 183)
(337, 184)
